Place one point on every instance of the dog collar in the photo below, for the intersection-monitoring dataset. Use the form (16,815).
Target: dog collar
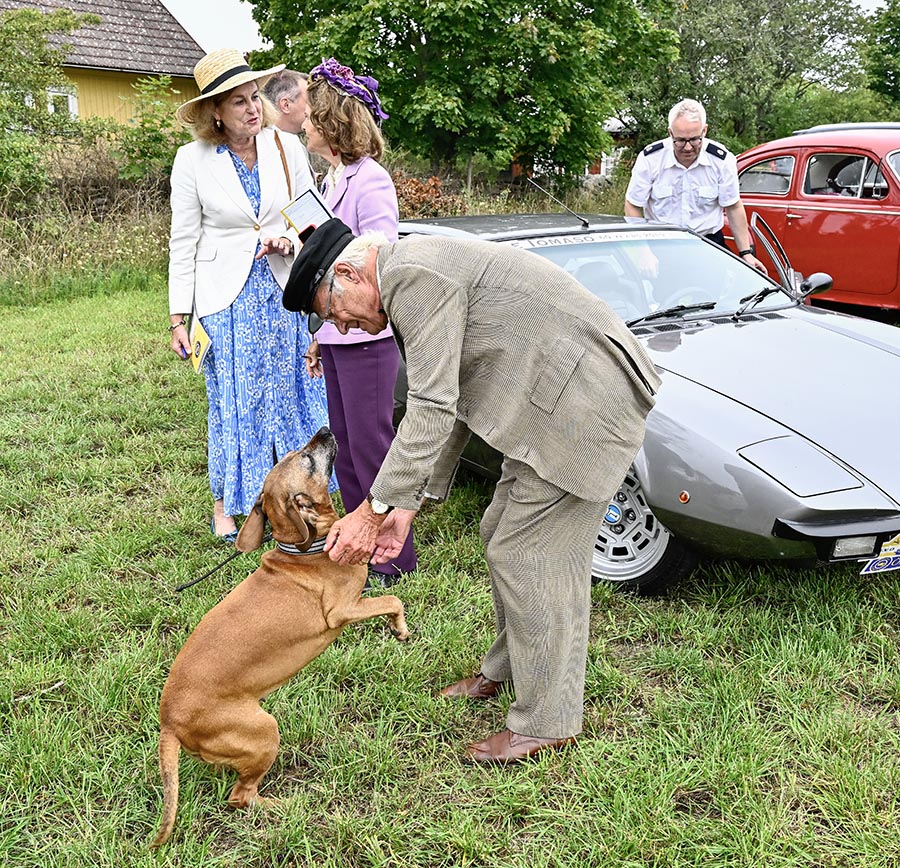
(317,547)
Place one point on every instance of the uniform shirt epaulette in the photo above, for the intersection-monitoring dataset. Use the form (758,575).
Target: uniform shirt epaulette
(716,151)
(652,149)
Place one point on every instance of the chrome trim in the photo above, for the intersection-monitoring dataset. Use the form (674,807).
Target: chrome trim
(878,211)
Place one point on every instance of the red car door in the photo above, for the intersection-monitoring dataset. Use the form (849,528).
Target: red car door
(844,219)
(766,183)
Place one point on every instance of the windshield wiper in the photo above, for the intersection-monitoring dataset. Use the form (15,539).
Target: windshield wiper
(755,298)
(679,309)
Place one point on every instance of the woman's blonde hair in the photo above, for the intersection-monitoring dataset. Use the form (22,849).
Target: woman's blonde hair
(203,128)
(344,122)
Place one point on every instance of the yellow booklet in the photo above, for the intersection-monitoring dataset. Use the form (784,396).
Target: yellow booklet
(200,343)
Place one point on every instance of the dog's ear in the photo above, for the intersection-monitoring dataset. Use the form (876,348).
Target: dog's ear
(251,534)
(304,519)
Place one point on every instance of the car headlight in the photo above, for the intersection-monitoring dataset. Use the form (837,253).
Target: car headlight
(799,466)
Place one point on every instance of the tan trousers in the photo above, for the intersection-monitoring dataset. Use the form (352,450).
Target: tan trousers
(538,541)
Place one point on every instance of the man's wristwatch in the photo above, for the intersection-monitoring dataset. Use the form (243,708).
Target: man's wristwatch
(378,507)
(751,250)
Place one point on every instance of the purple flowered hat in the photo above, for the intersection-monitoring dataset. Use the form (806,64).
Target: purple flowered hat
(361,87)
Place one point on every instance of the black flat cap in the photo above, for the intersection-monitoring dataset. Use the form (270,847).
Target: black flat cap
(320,249)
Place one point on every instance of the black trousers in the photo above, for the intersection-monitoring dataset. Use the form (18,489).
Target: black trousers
(718,237)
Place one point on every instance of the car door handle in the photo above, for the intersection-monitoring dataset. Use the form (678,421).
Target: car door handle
(794,216)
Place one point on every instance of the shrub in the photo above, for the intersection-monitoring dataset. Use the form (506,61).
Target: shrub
(23,173)
(425,198)
(147,145)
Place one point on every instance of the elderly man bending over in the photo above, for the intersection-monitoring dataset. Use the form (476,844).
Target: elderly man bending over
(505,344)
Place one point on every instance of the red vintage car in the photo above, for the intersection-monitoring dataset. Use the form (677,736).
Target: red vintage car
(832,197)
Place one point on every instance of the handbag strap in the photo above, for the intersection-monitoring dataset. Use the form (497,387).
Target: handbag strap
(287,176)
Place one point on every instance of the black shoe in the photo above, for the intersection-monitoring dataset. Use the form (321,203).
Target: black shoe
(386,580)
(380,581)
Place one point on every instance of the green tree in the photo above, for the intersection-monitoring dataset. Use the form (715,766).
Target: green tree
(531,81)
(148,143)
(29,67)
(749,62)
(883,51)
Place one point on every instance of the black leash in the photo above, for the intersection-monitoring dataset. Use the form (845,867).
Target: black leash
(231,557)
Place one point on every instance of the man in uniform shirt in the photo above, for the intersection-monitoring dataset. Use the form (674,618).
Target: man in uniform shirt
(687,180)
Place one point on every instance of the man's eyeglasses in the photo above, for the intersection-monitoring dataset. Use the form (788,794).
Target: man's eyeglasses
(694,142)
(313,321)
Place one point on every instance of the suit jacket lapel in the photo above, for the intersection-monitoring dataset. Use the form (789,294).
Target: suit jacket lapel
(342,185)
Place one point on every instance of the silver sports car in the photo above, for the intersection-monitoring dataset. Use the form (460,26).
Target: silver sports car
(775,432)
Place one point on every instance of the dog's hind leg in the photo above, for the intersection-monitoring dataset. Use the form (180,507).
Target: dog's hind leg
(258,738)
(371,607)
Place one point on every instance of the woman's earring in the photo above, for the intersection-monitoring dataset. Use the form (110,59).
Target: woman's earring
(217,123)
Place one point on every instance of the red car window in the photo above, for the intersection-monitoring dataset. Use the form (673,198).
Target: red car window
(772,175)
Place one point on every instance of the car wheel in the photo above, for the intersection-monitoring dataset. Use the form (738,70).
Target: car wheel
(634,551)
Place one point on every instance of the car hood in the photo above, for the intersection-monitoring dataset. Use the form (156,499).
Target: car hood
(830,378)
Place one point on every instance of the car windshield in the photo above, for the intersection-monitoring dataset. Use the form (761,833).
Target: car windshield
(638,273)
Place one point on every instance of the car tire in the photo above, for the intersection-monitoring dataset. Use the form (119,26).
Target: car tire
(634,551)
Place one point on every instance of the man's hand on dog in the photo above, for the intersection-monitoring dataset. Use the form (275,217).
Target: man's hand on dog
(362,536)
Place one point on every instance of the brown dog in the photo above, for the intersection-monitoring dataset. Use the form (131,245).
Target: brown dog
(266,630)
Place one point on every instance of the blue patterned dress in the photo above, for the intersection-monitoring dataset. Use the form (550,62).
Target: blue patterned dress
(262,403)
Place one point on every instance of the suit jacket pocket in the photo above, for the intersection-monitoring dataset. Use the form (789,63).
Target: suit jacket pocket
(558,369)
(205,253)
(632,363)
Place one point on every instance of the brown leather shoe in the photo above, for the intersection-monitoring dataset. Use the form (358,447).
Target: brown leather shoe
(510,747)
(477,687)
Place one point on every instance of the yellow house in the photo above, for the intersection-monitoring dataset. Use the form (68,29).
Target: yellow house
(134,39)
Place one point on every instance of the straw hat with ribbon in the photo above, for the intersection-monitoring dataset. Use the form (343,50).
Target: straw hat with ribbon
(218,72)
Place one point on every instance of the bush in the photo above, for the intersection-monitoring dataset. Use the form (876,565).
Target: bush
(23,173)
(424,198)
(148,144)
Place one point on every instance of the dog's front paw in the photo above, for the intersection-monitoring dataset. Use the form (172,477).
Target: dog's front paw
(401,634)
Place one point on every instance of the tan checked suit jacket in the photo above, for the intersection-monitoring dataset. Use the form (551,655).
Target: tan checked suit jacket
(503,343)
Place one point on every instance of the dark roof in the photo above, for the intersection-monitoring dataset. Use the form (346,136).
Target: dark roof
(139,36)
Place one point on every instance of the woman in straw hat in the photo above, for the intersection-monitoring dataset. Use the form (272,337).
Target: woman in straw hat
(230,254)
(343,125)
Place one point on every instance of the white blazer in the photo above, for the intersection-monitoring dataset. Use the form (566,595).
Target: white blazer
(214,230)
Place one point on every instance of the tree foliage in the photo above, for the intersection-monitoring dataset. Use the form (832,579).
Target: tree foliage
(531,80)
(30,66)
(883,51)
(752,63)
(148,143)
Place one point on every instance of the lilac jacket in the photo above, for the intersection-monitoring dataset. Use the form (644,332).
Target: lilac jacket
(365,199)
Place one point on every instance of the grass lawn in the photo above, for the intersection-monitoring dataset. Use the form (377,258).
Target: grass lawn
(750,718)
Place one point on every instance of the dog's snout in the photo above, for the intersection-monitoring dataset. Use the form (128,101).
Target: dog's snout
(321,451)
(322,437)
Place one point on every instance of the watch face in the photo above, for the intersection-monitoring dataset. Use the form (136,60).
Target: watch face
(378,507)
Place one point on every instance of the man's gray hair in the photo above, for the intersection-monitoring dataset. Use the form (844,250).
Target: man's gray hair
(356,253)
(689,109)
(284,83)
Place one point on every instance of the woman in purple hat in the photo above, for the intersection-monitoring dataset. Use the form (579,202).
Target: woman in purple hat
(343,120)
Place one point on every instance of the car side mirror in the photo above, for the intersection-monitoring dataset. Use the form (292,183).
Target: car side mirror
(815,284)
